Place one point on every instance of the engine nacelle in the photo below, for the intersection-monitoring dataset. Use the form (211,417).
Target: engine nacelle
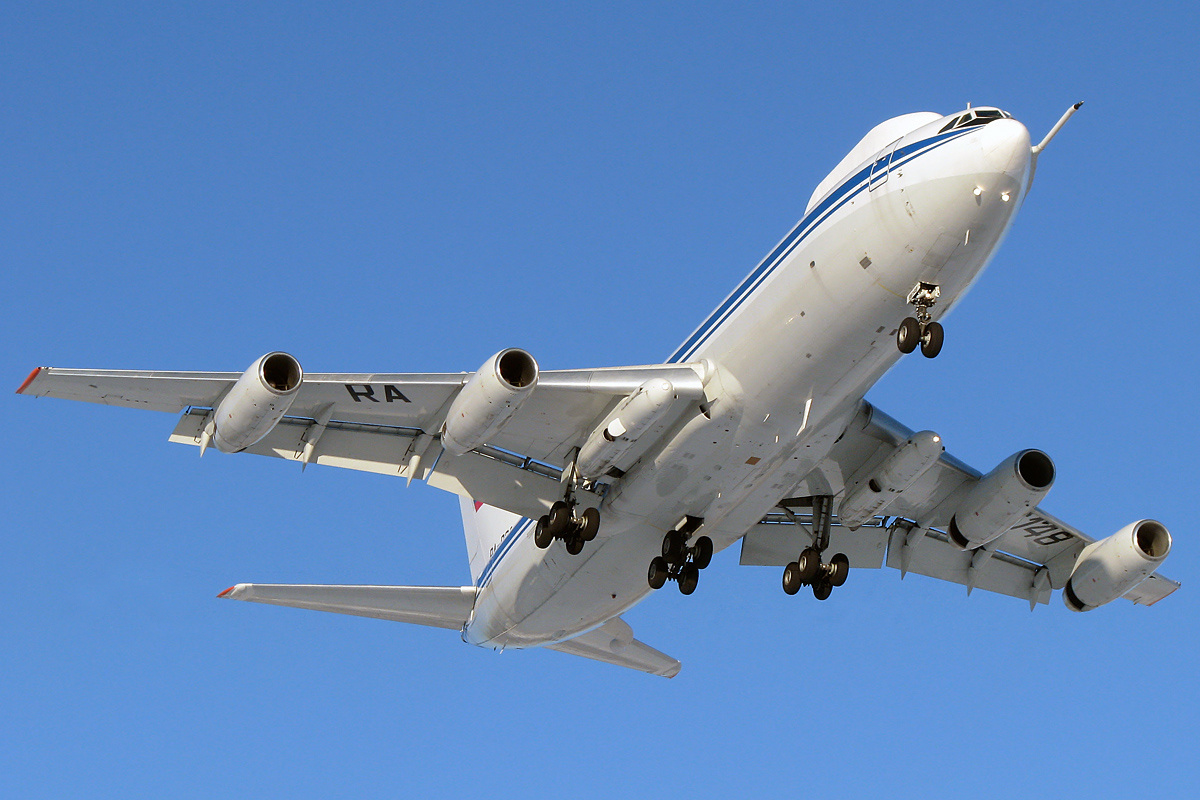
(488,400)
(1000,498)
(631,419)
(1109,568)
(898,472)
(256,402)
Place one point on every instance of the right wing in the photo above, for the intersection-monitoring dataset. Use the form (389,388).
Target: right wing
(390,423)
(1028,561)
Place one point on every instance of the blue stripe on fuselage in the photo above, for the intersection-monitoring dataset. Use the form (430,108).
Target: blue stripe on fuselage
(846,191)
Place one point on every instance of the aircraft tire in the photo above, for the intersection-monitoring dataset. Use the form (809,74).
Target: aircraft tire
(822,589)
(840,569)
(932,340)
(689,576)
(702,552)
(908,335)
(559,518)
(542,536)
(589,524)
(791,578)
(808,565)
(672,545)
(574,545)
(657,576)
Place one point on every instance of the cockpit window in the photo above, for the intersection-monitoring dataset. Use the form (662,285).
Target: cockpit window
(976,116)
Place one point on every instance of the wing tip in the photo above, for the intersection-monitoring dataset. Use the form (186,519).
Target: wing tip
(228,591)
(29,380)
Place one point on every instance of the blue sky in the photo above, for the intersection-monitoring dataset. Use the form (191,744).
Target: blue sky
(383,188)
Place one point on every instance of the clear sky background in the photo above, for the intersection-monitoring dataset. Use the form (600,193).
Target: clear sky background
(384,188)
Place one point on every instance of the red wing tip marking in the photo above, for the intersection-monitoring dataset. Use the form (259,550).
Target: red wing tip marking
(227,592)
(29,380)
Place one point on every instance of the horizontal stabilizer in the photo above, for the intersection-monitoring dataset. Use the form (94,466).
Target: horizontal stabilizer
(613,643)
(436,606)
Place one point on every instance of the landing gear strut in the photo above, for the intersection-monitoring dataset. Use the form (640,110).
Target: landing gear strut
(807,570)
(921,329)
(678,561)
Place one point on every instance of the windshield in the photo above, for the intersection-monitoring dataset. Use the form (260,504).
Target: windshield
(976,116)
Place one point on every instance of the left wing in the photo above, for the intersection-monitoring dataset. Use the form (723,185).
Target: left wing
(1030,559)
(391,423)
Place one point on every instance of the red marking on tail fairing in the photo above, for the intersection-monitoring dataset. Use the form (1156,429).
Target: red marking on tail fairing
(227,591)
(477,505)
(29,380)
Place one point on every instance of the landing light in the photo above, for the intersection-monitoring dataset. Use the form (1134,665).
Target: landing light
(1004,196)
(978,191)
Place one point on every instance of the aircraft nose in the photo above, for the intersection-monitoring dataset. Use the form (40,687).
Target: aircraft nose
(1006,148)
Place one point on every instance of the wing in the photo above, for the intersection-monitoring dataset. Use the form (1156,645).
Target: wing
(390,423)
(1028,561)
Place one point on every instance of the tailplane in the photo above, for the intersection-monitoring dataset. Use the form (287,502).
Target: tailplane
(435,606)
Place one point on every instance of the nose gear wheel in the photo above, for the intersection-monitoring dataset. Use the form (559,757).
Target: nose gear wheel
(921,329)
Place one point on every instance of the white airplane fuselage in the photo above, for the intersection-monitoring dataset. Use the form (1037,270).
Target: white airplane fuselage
(788,357)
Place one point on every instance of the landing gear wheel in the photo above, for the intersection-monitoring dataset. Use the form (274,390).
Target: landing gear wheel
(689,576)
(808,565)
(589,524)
(839,569)
(791,578)
(560,518)
(672,549)
(657,576)
(908,336)
(931,340)
(822,589)
(542,536)
(702,552)
(574,545)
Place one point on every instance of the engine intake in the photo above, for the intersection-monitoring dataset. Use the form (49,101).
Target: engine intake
(1000,498)
(257,401)
(489,399)
(1109,568)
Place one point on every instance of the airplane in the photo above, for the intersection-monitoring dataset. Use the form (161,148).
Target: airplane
(583,491)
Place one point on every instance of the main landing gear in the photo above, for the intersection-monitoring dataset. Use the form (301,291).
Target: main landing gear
(564,523)
(679,562)
(921,330)
(808,570)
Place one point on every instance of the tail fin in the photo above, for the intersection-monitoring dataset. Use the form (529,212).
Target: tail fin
(485,528)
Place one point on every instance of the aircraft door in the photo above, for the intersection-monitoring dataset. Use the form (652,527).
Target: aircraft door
(881,166)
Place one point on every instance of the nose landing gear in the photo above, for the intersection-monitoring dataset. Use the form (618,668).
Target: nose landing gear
(921,329)
(679,562)
(807,570)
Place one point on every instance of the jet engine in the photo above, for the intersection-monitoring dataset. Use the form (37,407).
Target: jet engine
(1109,568)
(489,399)
(1000,498)
(898,472)
(256,402)
(631,419)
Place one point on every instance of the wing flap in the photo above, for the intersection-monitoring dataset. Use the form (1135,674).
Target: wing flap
(991,571)
(434,606)
(613,643)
